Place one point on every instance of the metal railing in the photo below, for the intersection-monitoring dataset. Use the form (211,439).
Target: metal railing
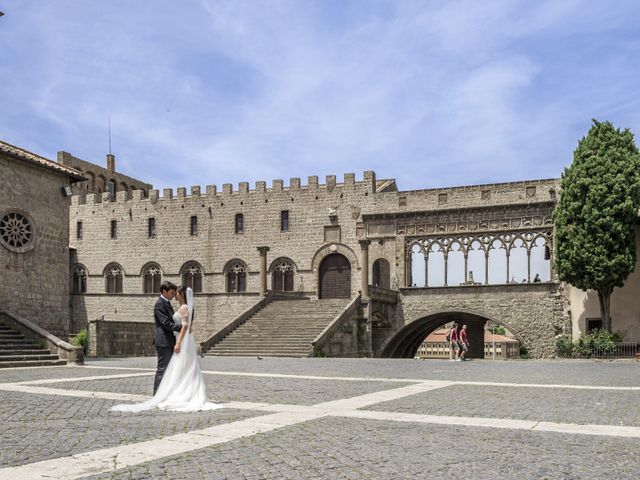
(608,350)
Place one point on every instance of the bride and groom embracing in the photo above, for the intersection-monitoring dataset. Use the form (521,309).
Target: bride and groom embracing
(179,385)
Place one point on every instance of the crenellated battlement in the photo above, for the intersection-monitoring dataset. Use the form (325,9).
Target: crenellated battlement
(368,184)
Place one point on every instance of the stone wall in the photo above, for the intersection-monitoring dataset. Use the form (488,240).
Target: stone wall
(120,339)
(211,312)
(35,284)
(98,177)
(535,313)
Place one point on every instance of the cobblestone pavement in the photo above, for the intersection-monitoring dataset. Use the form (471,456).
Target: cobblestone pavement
(328,418)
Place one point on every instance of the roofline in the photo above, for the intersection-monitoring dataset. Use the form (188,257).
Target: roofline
(39,161)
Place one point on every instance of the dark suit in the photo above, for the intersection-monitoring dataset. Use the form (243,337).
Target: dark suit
(164,339)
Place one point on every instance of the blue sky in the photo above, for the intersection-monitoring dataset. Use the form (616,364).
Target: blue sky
(432,93)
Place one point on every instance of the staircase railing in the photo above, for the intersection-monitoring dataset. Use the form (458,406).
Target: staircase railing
(344,316)
(239,320)
(65,350)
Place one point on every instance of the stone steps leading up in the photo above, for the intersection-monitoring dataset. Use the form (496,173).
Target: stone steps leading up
(18,351)
(283,328)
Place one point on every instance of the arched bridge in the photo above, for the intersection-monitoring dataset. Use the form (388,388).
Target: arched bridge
(533,312)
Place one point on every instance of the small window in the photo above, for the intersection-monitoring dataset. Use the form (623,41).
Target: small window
(111,186)
(79,280)
(113,278)
(594,324)
(114,229)
(284,220)
(79,230)
(239,223)
(194,225)
(152,228)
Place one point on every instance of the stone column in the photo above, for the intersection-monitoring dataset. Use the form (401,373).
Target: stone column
(364,267)
(263,270)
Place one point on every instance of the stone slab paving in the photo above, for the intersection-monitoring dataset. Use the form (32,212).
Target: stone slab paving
(305,443)
(550,405)
(234,388)
(569,372)
(337,448)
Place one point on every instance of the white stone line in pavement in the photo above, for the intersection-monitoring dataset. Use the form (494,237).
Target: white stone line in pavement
(16,387)
(82,379)
(110,459)
(381,379)
(508,423)
(546,385)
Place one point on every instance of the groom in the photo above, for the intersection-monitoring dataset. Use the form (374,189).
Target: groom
(165,326)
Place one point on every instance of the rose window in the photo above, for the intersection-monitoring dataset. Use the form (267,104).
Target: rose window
(16,232)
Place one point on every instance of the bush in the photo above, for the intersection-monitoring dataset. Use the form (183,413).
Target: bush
(564,346)
(80,340)
(600,341)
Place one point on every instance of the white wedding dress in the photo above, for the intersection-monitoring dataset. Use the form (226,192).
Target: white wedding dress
(182,388)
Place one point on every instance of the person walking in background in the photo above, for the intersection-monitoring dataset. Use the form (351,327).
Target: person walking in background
(454,348)
(464,343)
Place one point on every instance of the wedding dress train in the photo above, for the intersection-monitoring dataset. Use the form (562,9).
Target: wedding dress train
(182,388)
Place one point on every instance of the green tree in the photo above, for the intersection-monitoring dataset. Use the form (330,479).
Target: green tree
(596,216)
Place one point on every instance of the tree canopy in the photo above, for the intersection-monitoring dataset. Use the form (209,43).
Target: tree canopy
(597,213)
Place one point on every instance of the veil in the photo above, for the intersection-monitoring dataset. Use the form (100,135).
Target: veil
(190,305)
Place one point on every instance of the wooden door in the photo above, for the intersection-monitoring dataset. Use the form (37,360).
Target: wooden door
(335,277)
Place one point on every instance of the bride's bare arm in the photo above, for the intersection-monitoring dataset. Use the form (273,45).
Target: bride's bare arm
(184,315)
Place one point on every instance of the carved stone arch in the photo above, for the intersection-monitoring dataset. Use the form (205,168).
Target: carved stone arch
(453,242)
(91,181)
(235,276)
(497,239)
(329,249)
(79,275)
(151,274)
(282,259)
(113,278)
(101,184)
(479,240)
(191,275)
(282,271)
(518,236)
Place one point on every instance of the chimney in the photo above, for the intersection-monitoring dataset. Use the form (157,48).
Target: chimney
(111,162)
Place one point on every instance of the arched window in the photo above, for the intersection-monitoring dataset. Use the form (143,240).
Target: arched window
(282,272)
(236,274)
(113,275)
(381,273)
(151,278)
(100,184)
(192,276)
(79,280)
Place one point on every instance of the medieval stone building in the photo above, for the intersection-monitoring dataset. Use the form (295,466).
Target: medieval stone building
(366,269)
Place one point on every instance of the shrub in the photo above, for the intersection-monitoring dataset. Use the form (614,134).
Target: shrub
(564,346)
(80,340)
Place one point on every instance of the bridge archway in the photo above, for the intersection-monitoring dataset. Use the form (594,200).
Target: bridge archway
(405,343)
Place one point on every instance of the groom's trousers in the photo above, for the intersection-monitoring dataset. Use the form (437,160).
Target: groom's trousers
(164,355)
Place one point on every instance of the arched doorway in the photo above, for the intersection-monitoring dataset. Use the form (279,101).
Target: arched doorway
(335,277)
(405,342)
(381,273)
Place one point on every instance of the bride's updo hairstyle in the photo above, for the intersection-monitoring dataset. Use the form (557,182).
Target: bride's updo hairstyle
(183,292)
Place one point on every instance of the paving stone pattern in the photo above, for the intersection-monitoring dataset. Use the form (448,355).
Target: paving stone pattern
(337,448)
(38,427)
(234,388)
(548,405)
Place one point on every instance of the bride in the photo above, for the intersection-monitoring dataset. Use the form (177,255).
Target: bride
(182,388)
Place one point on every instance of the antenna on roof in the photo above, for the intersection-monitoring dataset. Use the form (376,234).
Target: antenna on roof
(109,135)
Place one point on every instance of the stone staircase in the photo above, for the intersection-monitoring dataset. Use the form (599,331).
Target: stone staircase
(18,351)
(284,328)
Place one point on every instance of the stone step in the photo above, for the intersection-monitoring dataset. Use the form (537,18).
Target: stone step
(32,363)
(14,346)
(14,340)
(24,351)
(16,358)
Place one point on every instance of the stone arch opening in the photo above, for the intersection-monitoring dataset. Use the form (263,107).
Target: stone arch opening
(405,343)
(335,277)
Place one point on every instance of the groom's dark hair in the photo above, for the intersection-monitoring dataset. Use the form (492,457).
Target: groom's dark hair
(166,286)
